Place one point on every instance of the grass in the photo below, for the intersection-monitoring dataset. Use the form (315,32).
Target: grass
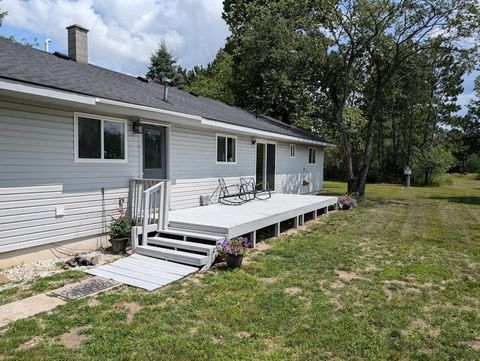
(398,277)
(39,285)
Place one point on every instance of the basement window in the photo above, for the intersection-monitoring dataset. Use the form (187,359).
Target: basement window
(312,155)
(226,149)
(100,139)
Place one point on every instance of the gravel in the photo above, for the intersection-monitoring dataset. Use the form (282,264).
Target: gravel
(24,273)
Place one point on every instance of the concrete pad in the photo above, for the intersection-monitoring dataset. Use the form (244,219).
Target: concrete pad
(27,307)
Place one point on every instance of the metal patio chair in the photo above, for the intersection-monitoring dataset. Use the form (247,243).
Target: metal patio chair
(231,198)
(250,189)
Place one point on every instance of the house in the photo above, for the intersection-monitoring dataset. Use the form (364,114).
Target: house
(73,136)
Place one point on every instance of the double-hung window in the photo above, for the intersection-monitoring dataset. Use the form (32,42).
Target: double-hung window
(226,149)
(100,139)
(312,155)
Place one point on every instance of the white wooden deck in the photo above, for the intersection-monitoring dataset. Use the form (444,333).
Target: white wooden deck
(233,221)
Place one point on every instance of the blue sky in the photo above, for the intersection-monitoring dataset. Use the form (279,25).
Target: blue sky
(123,36)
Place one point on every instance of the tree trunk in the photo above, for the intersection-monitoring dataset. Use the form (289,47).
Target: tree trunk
(362,180)
(347,150)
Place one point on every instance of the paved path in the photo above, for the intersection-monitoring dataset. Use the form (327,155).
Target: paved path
(28,307)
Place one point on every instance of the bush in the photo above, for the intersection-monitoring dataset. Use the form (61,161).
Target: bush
(430,162)
(472,164)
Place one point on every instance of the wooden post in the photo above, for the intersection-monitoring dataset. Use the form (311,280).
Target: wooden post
(300,220)
(277,229)
(295,222)
(253,238)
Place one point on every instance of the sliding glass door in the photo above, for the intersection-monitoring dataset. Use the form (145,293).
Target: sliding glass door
(265,166)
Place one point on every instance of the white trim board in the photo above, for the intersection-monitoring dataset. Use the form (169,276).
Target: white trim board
(35,90)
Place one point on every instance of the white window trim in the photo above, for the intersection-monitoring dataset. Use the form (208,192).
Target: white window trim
(294,150)
(308,155)
(102,119)
(226,148)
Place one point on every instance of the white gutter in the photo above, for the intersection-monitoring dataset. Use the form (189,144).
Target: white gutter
(30,89)
(258,132)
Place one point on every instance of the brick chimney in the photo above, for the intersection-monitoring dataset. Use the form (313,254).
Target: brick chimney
(77,43)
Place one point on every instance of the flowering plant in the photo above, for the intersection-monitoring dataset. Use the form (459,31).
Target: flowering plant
(347,202)
(119,227)
(237,246)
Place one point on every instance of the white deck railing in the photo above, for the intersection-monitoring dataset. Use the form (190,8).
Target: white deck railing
(155,203)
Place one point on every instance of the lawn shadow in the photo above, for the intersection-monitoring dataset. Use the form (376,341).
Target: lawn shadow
(464,200)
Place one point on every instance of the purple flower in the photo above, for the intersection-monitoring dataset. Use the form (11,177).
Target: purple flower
(234,247)
(347,202)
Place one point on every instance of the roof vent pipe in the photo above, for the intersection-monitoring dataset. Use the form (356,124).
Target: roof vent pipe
(47,42)
(166,83)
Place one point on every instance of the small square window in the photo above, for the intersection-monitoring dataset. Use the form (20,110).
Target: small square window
(312,155)
(226,149)
(292,150)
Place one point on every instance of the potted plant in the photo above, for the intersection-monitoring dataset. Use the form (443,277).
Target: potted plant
(233,250)
(119,232)
(347,202)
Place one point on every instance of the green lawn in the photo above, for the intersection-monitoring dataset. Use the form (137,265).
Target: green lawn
(398,277)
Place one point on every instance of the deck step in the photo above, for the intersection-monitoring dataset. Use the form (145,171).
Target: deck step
(182,245)
(192,234)
(174,256)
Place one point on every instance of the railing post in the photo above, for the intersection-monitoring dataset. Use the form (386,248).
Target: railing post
(166,204)
(146,217)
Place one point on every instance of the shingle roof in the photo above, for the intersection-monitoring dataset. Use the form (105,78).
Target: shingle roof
(26,64)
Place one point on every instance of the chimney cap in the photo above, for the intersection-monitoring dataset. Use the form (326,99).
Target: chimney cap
(78,27)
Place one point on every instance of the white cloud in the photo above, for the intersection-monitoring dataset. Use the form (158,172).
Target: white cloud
(123,33)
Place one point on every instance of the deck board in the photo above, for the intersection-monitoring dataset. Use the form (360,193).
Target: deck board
(248,217)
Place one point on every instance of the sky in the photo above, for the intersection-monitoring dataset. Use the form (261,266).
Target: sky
(123,33)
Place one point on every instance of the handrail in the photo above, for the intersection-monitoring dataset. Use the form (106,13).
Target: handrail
(156,204)
(135,197)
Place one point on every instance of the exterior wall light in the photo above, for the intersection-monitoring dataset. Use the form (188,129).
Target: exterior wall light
(137,127)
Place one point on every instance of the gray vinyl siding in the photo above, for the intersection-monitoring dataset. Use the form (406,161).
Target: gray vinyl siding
(291,172)
(194,171)
(38,173)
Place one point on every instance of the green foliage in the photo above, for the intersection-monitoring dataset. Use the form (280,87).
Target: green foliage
(119,227)
(430,162)
(472,164)
(164,67)
(398,64)
(215,81)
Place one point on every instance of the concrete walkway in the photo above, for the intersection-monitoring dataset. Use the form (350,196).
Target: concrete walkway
(28,307)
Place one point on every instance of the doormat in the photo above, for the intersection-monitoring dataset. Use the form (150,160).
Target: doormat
(85,288)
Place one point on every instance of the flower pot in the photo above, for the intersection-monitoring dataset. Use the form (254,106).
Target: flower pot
(234,261)
(119,245)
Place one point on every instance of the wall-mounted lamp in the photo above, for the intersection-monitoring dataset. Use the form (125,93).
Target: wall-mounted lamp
(254,141)
(137,126)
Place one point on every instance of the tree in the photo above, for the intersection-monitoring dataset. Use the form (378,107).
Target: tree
(213,81)
(351,52)
(430,162)
(164,67)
